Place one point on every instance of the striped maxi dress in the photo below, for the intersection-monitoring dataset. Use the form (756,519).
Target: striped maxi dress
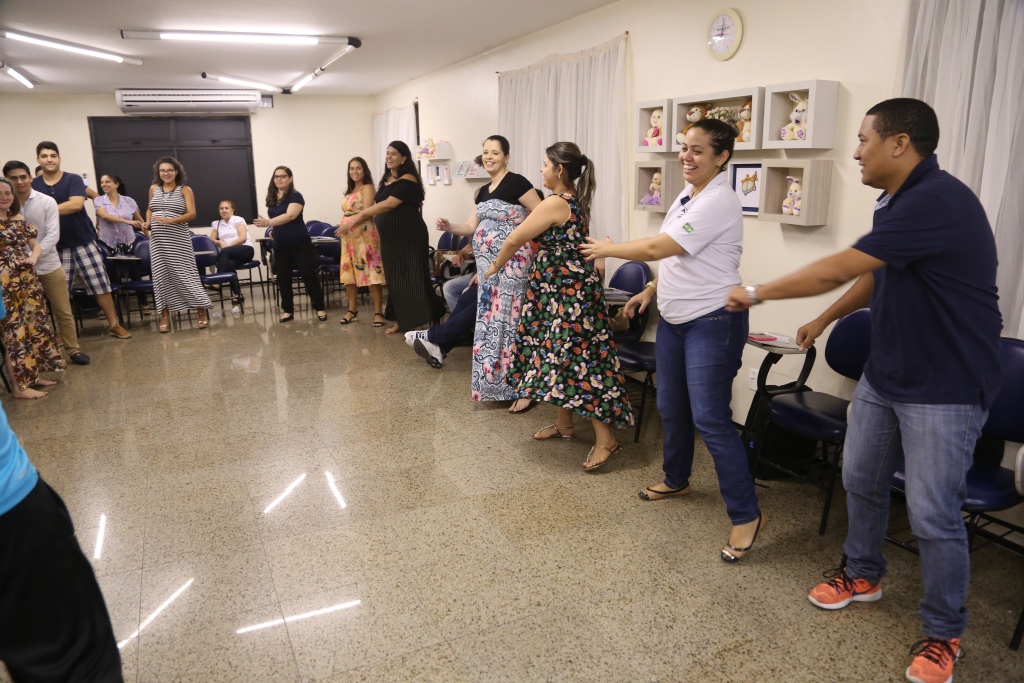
(176,284)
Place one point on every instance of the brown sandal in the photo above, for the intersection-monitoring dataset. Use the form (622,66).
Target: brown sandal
(611,451)
(564,432)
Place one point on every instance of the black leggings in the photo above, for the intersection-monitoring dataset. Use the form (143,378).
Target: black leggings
(303,258)
(232,257)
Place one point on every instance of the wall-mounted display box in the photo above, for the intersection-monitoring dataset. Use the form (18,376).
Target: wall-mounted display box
(815,179)
(648,173)
(647,118)
(815,129)
(442,152)
(743,107)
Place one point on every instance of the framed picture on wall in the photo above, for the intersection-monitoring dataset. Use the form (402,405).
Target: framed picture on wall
(463,169)
(746,179)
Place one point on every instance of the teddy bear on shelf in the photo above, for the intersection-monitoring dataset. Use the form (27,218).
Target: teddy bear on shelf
(791,204)
(654,137)
(743,122)
(695,114)
(653,197)
(796,129)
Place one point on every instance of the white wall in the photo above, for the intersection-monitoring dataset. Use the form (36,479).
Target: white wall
(313,135)
(783,41)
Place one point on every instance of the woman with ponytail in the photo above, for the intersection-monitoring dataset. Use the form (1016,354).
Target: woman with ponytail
(700,344)
(564,353)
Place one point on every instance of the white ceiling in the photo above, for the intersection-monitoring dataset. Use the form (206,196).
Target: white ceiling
(402,40)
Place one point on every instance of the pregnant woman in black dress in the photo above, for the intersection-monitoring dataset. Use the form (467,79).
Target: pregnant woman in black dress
(403,242)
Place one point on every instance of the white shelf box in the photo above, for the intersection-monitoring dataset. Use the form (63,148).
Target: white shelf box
(822,106)
(816,183)
(643,124)
(733,99)
(443,152)
(672,183)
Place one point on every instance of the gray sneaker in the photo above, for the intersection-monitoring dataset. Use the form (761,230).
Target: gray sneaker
(429,352)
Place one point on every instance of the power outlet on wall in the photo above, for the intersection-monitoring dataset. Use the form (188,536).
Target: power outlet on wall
(752,379)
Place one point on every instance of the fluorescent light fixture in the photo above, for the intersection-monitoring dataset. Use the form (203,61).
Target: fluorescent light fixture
(285,494)
(154,615)
(323,67)
(335,491)
(298,617)
(242,81)
(99,538)
(237,37)
(15,75)
(68,47)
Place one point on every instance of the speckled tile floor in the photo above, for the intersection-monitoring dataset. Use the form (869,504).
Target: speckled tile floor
(454,548)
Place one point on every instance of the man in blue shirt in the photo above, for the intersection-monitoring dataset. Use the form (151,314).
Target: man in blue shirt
(79,252)
(927,269)
(54,624)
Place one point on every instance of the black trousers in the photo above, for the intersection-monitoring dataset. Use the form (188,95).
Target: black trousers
(54,626)
(303,258)
(230,258)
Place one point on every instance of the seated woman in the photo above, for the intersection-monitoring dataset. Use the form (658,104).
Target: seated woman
(235,244)
(26,333)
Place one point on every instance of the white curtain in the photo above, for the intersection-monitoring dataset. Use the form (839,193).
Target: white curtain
(577,98)
(394,124)
(966,59)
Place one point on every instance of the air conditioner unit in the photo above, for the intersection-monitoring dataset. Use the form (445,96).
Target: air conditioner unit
(165,101)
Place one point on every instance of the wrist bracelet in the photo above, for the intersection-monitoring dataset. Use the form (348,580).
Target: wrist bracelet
(752,294)
(652,285)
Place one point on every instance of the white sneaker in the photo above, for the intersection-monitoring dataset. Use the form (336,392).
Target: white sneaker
(411,337)
(429,352)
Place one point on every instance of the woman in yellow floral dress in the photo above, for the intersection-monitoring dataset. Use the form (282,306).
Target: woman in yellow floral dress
(361,265)
(26,333)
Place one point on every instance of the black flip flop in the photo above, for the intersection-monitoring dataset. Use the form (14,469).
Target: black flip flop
(662,494)
(729,557)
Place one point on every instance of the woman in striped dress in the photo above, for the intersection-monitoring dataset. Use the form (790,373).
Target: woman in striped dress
(176,284)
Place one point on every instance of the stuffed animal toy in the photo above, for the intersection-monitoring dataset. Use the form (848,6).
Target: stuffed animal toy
(797,128)
(654,137)
(695,114)
(653,198)
(791,204)
(743,122)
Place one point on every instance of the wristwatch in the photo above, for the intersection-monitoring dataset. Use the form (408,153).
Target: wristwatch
(752,294)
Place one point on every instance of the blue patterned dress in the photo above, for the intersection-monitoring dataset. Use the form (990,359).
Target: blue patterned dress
(564,351)
(500,298)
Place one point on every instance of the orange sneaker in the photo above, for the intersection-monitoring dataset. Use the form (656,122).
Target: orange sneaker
(841,590)
(934,660)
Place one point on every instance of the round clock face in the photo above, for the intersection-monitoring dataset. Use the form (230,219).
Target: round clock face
(724,34)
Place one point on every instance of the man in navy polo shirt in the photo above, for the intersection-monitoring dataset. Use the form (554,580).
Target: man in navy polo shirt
(79,252)
(928,271)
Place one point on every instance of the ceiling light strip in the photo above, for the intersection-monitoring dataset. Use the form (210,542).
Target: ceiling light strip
(237,37)
(355,42)
(68,47)
(242,82)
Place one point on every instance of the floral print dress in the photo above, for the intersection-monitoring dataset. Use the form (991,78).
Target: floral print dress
(500,298)
(26,330)
(564,351)
(361,264)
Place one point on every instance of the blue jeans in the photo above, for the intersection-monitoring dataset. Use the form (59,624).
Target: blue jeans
(937,444)
(453,289)
(697,362)
(459,325)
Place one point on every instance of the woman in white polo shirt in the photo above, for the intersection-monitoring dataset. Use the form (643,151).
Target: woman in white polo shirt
(235,244)
(700,344)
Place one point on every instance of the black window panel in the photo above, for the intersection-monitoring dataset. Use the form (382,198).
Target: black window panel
(213,178)
(216,152)
(212,131)
(135,168)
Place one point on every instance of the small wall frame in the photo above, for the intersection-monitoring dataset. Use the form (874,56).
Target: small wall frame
(816,180)
(822,105)
(644,110)
(731,99)
(671,184)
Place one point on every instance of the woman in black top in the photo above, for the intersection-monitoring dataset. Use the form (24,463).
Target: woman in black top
(293,250)
(403,242)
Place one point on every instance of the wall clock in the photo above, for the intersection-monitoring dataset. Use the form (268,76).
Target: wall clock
(725,33)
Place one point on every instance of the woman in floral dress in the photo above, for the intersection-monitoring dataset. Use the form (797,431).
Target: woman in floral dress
(564,350)
(501,206)
(361,265)
(26,333)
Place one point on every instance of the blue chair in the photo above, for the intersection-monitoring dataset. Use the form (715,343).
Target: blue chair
(141,286)
(990,486)
(632,277)
(204,261)
(330,265)
(820,416)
